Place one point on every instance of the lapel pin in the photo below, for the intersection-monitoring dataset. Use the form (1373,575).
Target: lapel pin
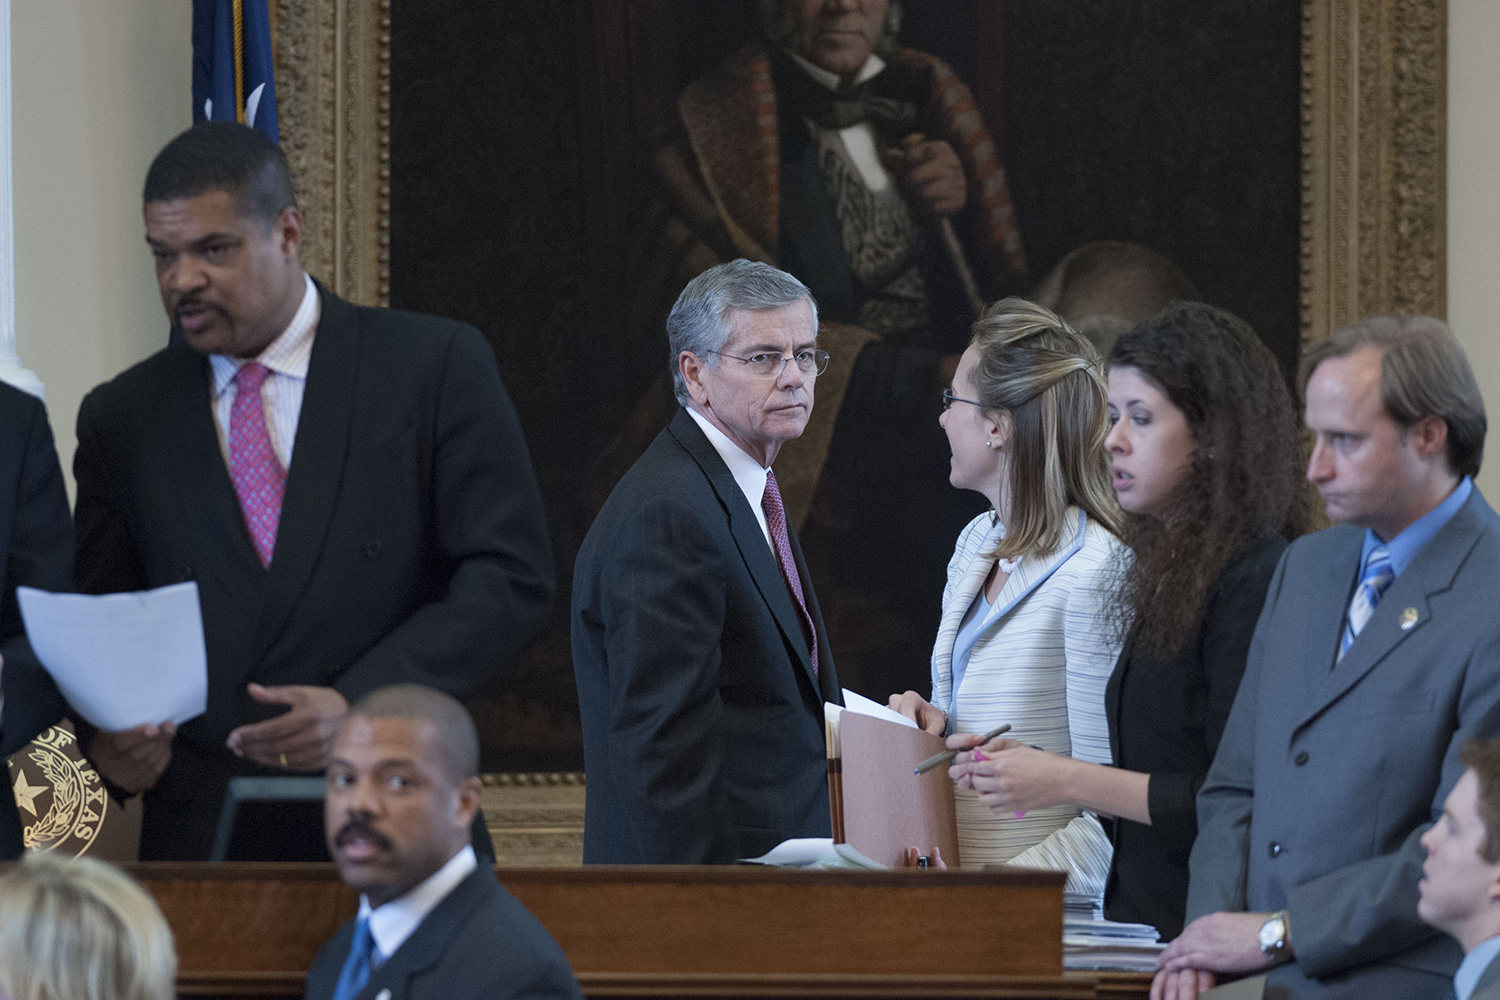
(1408,619)
(383,995)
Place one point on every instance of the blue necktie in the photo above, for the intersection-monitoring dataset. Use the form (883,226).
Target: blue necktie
(357,966)
(1377,576)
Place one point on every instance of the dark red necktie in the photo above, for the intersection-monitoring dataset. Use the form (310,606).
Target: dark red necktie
(776,521)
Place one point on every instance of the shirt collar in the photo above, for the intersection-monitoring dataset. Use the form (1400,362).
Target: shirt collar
(1473,966)
(1404,547)
(289,354)
(747,472)
(392,923)
(872,67)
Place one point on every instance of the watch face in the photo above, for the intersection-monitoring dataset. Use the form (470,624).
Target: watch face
(1270,933)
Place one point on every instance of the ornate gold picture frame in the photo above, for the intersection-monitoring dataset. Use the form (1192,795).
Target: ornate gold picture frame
(1374,89)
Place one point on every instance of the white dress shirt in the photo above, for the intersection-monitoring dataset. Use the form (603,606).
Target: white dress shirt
(394,922)
(747,472)
(859,140)
(287,356)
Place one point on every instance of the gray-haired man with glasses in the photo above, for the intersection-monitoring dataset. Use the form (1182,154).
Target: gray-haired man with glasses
(700,652)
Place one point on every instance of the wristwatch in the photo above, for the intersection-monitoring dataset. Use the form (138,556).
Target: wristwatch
(1273,938)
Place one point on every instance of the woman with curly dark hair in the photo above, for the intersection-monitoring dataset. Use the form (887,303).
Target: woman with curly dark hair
(1207,459)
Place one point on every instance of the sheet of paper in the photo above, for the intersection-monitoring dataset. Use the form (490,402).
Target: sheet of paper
(813,852)
(122,660)
(856,702)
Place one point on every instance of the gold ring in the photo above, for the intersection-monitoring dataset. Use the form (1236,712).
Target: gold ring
(283,760)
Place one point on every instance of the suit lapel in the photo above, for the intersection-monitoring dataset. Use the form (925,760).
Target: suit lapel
(198,465)
(1032,572)
(1431,572)
(318,457)
(747,536)
(434,935)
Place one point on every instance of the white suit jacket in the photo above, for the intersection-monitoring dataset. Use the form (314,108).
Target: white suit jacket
(1041,664)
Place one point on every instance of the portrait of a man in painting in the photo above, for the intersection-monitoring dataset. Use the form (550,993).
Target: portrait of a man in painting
(557,173)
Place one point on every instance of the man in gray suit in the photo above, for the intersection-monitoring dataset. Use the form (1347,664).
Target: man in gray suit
(1461,879)
(1376,657)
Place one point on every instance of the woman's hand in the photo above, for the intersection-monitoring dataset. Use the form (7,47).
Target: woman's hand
(911,854)
(1013,778)
(919,710)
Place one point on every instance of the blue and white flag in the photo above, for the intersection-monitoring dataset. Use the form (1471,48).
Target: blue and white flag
(232,66)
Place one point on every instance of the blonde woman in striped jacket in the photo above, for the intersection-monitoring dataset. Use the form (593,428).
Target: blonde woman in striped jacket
(1026,635)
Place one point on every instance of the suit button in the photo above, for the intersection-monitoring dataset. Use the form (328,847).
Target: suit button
(1275,849)
(1301,758)
(373,547)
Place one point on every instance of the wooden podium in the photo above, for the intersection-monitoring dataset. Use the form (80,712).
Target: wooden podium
(252,930)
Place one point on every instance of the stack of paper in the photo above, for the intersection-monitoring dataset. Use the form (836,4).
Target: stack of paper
(1104,944)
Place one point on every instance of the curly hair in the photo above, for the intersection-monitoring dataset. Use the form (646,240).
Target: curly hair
(1046,376)
(1244,480)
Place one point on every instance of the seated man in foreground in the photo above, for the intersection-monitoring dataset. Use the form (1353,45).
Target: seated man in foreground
(403,790)
(1461,880)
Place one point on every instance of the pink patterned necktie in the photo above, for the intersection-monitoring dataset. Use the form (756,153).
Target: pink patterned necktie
(259,479)
(776,521)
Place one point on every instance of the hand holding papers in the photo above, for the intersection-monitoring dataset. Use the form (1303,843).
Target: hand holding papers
(122,660)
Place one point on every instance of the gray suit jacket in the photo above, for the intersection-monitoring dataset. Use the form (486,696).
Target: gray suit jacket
(1328,774)
(1488,987)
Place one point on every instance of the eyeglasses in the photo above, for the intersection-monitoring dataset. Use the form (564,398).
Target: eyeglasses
(949,399)
(769,365)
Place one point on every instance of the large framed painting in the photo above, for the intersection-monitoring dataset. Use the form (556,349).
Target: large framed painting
(551,172)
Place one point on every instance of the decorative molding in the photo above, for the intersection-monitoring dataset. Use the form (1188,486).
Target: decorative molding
(333,73)
(535,820)
(1374,145)
(11,369)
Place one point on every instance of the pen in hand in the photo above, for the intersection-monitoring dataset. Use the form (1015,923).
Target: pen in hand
(946,757)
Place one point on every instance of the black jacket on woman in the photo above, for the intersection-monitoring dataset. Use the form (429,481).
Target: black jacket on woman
(1165,719)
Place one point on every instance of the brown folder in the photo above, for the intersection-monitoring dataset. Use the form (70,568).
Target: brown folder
(880,806)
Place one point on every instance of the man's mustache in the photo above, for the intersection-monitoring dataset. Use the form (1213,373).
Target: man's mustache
(192,302)
(359,828)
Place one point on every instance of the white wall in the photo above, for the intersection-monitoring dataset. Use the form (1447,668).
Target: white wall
(98,86)
(1474,205)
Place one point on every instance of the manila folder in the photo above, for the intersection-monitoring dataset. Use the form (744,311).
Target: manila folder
(887,806)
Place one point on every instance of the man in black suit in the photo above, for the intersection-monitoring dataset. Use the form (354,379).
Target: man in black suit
(1460,888)
(403,789)
(701,656)
(348,487)
(38,534)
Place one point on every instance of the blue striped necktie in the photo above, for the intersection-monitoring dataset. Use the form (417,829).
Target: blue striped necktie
(1377,576)
(357,966)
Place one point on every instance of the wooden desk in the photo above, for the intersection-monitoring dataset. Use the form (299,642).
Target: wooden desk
(252,930)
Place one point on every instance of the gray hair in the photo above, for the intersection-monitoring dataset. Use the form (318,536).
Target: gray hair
(699,321)
(779,23)
(1424,372)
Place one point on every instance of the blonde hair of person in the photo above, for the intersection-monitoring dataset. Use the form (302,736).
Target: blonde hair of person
(1047,378)
(79,929)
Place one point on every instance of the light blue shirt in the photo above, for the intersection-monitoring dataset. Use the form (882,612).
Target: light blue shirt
(968,634)
(1473,966)
(1404,547)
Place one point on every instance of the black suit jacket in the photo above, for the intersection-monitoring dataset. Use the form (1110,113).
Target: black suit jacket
(478,942)
(38,534)
(702,720)
(1165,719)
(411,547)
